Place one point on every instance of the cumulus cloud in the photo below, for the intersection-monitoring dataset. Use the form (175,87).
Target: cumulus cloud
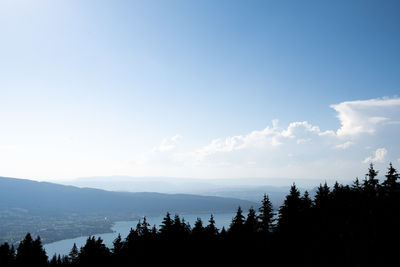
(295,148)
(270,137)
(365,116)
(379,156)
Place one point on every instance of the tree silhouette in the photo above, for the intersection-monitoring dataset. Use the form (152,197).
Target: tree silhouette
(166,226)
(211,230)
(198,229)
(117,245)
(251,223)
(7,255)
(266,214)
(290,210)
(94,253)
(237,225)
(31,253)
(73,254)
(390,184)
(142,228)
(370,182)
(322,196)
(356,186)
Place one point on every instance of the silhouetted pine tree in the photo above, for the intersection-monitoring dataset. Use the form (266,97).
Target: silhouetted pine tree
(131,239)
(117,245)
(322,196)
(166,227)
(289,212)
(142,229)
(211,230)
(390,184)
(7,255)
(53,262)
(74,254)
(371,183)
(266,215)
(356,187)
(31,253)
(198,229)
(251,223)
(223,233)
(237,224)
(94,253)
(306,201)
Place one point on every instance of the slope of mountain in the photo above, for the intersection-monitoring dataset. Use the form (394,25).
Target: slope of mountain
(57,211)
(251,189)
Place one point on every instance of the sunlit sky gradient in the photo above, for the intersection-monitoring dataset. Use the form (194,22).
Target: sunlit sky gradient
(202,89)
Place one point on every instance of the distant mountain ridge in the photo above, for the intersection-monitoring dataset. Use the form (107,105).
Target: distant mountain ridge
(251,189)
(27,205)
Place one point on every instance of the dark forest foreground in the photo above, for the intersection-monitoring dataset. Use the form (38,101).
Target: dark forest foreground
(346,225)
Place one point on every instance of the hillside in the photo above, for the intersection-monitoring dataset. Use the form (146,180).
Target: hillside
(57,211)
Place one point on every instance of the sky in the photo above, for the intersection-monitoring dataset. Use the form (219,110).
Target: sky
(200,89)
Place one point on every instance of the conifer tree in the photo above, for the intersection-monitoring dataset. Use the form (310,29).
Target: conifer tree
(154,231)
(223,232)
(53,262)
(290,210)
(251,223)
(211,229)
(306,202)
(266,215)
(322,196)
(198,229)
(166,226)
(31,253)
(390,184)
(177,225)
(371,183)
(131,238)
(73,254)
(7,255)
(356,186)
(117,245)
(142,228)
(237,224)
(185,227)
(94,253)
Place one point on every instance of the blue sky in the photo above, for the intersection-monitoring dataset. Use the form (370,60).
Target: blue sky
(202,89)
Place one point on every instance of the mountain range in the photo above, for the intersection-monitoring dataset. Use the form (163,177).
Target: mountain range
(56,211)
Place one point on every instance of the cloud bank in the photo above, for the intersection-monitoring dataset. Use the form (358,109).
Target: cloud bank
(364,116)
(300,148)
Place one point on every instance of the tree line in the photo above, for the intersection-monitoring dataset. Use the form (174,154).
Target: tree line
(346,225)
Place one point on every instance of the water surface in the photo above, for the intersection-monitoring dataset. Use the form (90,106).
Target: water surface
(63,247)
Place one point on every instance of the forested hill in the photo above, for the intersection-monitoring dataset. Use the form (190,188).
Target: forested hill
(57,211)
(54,198)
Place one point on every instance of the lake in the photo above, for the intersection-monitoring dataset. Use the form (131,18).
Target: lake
(63,247)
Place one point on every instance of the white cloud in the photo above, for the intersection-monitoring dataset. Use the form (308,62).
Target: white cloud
(292,150)
(270,137)
(344,145)
(365,116)
(159,153)
(168,144)
(380,155)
